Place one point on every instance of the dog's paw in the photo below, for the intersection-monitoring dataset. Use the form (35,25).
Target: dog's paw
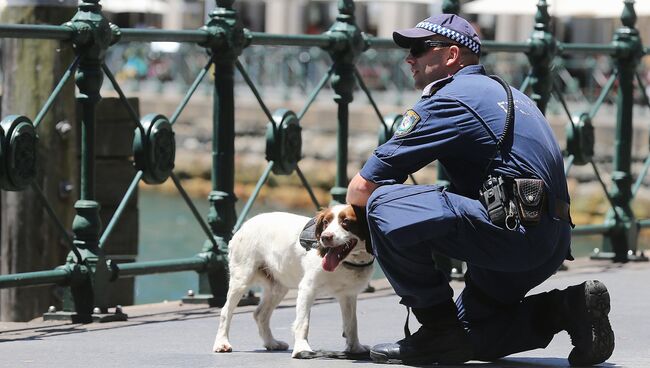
(222,347)
(276,345)
(357,349)
(299,347)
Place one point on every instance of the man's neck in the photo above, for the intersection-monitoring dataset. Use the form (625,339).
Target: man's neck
(427,90)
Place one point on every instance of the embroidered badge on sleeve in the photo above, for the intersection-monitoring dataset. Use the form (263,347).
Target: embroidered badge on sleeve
(410,119)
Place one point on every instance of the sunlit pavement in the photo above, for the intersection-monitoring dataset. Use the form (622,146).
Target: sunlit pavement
(174,335)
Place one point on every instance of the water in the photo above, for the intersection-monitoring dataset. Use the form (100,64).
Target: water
(168,230)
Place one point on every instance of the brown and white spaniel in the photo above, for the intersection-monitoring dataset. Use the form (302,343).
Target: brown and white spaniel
(267,251)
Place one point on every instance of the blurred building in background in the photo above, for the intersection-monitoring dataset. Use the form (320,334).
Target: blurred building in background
(502,20)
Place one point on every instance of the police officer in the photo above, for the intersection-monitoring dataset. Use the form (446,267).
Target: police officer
(460,121)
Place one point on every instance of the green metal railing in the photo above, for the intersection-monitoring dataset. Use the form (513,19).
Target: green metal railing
(224,38)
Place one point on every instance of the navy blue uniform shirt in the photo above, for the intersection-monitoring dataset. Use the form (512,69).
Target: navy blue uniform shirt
(457,122)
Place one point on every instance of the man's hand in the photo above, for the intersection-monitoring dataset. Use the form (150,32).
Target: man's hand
(359,190)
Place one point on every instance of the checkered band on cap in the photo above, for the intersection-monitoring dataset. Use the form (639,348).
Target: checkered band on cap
(462,39)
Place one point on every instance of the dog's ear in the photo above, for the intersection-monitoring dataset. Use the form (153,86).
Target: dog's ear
(320,223)
(362,223)
(318,230)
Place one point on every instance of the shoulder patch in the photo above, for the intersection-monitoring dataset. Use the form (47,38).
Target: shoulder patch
(410,119)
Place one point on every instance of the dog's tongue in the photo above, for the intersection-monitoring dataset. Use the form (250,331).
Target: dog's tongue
(331,259)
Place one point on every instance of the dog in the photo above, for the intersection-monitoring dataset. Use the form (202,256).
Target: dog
(267,251)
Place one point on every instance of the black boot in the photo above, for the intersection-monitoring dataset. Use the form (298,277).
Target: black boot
(581,310)
(441,339)
(586,308)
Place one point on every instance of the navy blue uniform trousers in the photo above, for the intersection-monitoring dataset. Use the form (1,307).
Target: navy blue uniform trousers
(408,222)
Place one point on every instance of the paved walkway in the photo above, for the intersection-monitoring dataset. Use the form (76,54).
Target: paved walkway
(174,335)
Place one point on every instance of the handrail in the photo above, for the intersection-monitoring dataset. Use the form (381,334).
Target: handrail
(44,32)
(258,38)
(57,276)
(64,33)
(153,35)
(154,267)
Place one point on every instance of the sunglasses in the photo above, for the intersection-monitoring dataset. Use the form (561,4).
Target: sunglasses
(420,48)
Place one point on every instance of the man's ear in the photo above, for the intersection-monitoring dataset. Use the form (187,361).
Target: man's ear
(453,55)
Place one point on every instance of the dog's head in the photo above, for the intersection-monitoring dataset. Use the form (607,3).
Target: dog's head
(340,234)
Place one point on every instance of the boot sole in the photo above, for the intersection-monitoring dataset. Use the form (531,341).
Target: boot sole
(450,358)
(598,307)
(383,358)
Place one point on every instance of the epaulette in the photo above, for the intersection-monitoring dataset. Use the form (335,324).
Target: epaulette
(436,86)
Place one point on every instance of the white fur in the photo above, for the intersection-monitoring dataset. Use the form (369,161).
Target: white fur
(270,241)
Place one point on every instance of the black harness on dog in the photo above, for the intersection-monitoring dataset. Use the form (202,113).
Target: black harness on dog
(308,241)
(308,235)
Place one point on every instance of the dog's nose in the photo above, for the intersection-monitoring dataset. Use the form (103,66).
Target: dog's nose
(327,237)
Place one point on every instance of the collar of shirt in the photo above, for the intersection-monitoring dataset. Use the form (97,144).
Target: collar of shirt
(434,86)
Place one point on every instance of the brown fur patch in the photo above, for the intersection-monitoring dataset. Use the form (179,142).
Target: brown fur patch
(323,218)
(349,221)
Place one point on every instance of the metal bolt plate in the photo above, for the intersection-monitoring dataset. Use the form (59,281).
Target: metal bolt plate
(580,139)
(155,151)
(284,142)
(17,152)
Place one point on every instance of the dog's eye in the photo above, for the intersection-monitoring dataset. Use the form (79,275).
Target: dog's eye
(346,223)
(325,223)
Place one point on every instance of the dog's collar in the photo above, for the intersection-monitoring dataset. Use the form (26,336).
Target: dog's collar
(358,265)
(308,241)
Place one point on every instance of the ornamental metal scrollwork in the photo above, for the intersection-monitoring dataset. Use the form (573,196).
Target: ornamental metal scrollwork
(155,151)
(17,152)
(386,130)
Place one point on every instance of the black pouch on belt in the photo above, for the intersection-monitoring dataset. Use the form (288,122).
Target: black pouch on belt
(495,199)
(529,195)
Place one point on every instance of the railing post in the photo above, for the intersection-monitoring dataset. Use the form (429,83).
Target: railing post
(543,48)
(226,44)
(348,44)
(622,238)
(92,36)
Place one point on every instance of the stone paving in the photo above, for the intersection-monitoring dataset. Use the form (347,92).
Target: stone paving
(175,335)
